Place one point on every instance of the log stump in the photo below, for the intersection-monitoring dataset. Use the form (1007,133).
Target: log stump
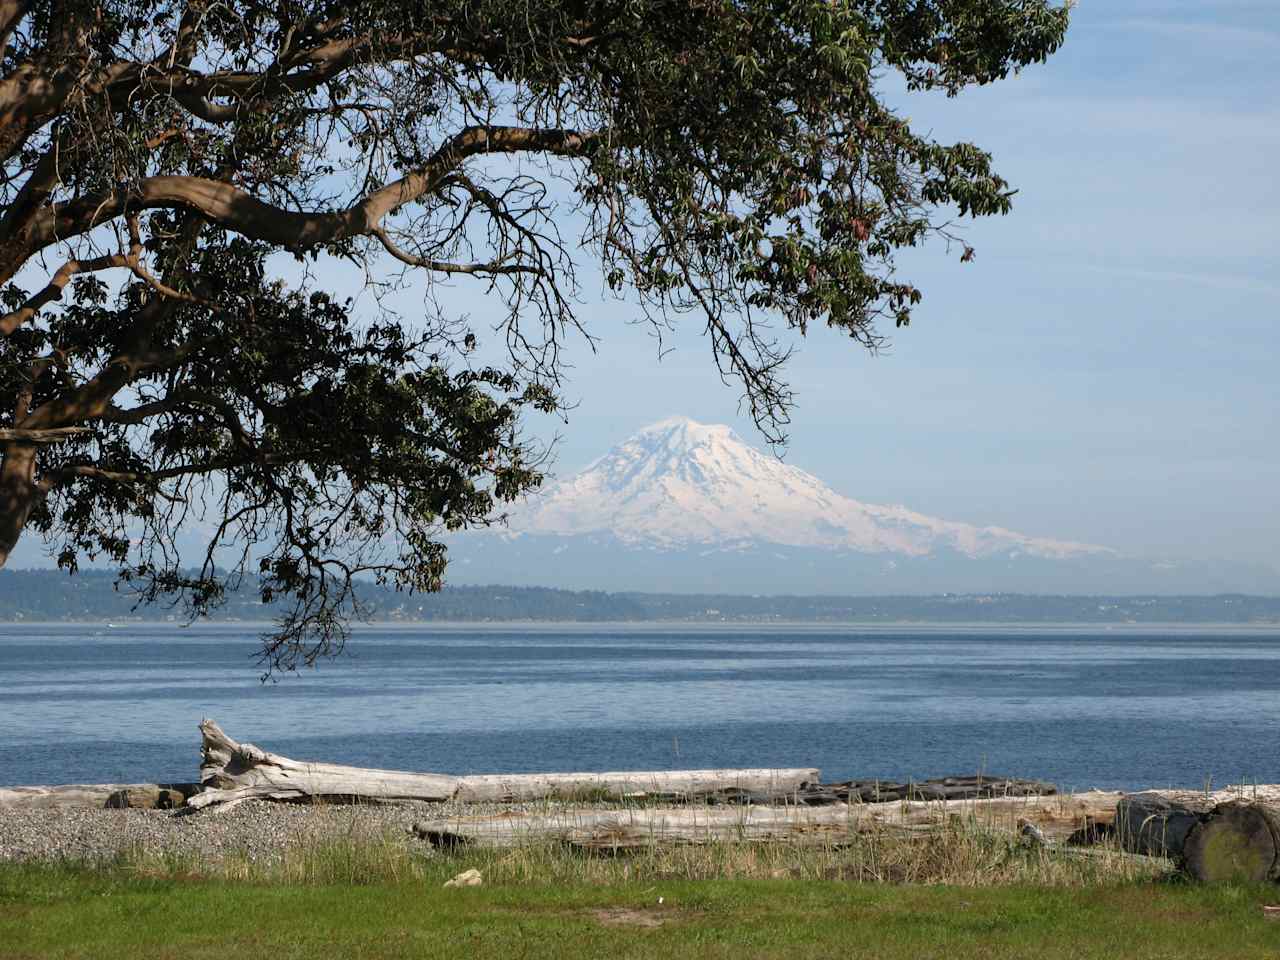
(1237,841)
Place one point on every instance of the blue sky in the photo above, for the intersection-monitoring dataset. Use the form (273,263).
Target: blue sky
(1106,368)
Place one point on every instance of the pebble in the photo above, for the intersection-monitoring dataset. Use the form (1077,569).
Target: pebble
(257,830)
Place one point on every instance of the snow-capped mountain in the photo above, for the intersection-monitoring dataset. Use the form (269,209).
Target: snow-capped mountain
(679,483)
(688,508)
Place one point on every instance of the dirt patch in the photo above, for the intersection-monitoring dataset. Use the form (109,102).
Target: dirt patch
(627,917)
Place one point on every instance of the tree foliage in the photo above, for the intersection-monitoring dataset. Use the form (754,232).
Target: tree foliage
(180,174)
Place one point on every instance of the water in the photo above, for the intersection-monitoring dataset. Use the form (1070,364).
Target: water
(1120,708)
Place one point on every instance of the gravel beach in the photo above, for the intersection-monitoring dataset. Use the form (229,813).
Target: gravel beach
(257,830)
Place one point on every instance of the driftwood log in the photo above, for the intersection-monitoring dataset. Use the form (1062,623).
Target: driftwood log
(834,824)
(1213,838)
(147,796)
(672,785)
(973,787)
(231,772)
(1239,840)
(1157,822)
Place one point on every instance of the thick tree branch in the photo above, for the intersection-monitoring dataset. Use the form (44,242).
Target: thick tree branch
(68,472)
(237,210)
(92,399)
(11,13)
(40,436)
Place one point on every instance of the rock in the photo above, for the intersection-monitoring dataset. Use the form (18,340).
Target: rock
(468,878)
(1032,834)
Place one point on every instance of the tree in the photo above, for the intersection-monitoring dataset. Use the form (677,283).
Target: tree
(178,174)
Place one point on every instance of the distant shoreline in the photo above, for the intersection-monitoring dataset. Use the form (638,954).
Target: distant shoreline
(29,596)
(639,625)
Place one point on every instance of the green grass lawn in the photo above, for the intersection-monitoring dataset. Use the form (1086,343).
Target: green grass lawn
(76,913)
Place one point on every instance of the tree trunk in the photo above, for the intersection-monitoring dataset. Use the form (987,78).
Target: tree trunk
(233,771)
(1237,841)
(18,494)
(617,829)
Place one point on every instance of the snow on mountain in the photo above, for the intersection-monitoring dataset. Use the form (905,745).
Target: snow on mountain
(678,484)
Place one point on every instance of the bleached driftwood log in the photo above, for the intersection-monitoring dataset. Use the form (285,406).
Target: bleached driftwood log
(231,772)
(617,829)
(80,795)
(622,785)
(1214,836)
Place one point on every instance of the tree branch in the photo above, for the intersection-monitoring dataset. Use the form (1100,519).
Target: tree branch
(442,266)
(131,260)
(11,13)
(72,471)
(93,398)
(51,435)
(53,289)
(237,210)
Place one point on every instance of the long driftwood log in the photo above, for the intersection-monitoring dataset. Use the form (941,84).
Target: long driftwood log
(232,772)
(1056,816)
(147,796)
(676,785)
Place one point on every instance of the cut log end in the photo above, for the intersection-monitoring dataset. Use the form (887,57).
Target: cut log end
(1236,842)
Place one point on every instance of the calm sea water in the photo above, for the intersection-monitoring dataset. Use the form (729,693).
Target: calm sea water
(1120,708)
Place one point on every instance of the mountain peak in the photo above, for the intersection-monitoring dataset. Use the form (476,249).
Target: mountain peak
(685,433)
(680,483)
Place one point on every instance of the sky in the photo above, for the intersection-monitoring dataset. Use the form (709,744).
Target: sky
(1105,370)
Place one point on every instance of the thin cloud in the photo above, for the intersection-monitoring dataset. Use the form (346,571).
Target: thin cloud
(1218,34)
(1219,281)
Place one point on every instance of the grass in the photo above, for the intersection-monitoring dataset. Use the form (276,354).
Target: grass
(960,892)
(956,851)
(68,912)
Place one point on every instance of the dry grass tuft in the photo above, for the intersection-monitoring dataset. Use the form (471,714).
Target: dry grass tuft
(959,851)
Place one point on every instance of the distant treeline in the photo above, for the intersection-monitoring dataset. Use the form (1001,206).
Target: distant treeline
(93,595)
